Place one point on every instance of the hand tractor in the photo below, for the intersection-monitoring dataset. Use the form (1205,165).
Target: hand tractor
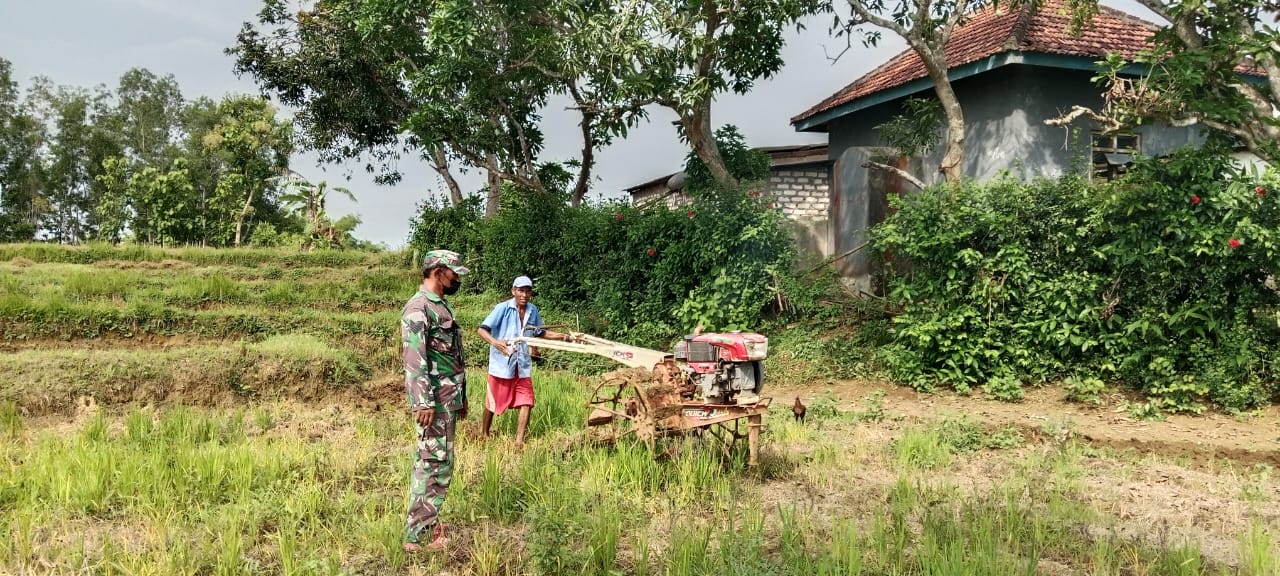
(708,382)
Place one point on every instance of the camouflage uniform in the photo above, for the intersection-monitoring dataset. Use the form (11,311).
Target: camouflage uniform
(433,378)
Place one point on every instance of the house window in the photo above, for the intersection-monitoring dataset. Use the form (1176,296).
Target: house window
(1112,154)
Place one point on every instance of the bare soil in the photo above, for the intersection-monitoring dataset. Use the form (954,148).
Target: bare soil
(1252,438)
(1204,480)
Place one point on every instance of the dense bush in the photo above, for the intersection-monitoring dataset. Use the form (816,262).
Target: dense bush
(1159,281)
(646,274)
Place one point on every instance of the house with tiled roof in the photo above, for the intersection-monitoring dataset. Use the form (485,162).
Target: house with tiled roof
(1011,70)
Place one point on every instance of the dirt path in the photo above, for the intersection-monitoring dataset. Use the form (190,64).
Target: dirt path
(1251,439)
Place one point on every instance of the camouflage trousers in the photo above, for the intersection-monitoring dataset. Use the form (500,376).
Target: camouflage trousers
(432,470)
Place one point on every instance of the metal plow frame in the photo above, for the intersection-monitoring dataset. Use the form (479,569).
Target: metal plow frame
(662,408)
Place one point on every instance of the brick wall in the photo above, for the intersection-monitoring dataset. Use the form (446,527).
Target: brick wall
(801,192)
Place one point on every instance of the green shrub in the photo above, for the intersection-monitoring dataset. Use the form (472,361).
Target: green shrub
(643,274)
(1157,280)
(1007,388)
(1084,390)
(438,225)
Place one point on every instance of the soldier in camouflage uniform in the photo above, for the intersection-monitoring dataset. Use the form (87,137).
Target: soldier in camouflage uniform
(435,384)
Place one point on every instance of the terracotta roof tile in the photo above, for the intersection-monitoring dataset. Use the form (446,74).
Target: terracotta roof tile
(990,31)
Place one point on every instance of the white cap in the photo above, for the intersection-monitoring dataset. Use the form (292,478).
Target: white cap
(521,282)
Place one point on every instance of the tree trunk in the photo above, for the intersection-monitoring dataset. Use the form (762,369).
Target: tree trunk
(440,164)
(204,221)
(952,166)
(588,160)
(697,128)
(313,216)
(495,195)
(244,213)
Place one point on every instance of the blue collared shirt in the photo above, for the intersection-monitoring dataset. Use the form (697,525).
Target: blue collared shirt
(504,323)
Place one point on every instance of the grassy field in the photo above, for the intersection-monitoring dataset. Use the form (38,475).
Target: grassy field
(227,412)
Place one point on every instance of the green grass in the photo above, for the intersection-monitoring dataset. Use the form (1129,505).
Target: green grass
(1260,550)
(90,253)
(50,380)
(194,491)
(76,305)
(10,419)
(235,463)
(315,288)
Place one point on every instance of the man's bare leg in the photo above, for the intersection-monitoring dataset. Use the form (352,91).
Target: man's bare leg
(522,424)
(486,420)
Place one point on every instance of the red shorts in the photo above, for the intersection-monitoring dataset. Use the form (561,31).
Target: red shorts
(504,393)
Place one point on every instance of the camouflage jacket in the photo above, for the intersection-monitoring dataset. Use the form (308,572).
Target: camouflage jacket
(433,363)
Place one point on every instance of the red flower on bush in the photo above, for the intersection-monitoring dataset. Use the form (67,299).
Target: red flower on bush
(771,206)
(1195,199)
(1233,243)
(691,213)
(617,216)
(652,251)
(1261,191)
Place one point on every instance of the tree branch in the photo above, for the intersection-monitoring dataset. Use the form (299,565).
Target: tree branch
(491,164)
(1109,124)
(919,26)
(440,163)
(1184,25)
(866,16)
(1158,7)
(896,171)
(707,58)
(526,154)
(588,149)
(1261,104)
(961,7)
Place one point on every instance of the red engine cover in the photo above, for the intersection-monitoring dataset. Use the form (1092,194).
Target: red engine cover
(736,347)
(732,346)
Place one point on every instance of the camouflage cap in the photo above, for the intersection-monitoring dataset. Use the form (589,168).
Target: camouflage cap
(448,258)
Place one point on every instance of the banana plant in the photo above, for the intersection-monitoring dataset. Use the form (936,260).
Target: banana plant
(307,199)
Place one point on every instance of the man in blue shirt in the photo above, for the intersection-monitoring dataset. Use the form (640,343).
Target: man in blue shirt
(511,367)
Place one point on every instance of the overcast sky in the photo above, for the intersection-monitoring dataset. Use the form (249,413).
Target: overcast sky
(90,42)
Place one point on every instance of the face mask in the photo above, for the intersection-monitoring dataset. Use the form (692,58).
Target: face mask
(453,286)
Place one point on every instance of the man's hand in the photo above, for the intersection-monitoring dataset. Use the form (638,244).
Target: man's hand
(462,413)
(549,335)
(425,416)
(502,347)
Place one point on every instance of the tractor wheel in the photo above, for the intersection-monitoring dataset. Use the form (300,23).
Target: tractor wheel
(630,403)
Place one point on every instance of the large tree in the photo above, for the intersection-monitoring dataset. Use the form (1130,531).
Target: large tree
(436,80)
(461,80)
(73,143)
(926,25)
(147,116)
(251,146)
(20,175)
(682,54)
